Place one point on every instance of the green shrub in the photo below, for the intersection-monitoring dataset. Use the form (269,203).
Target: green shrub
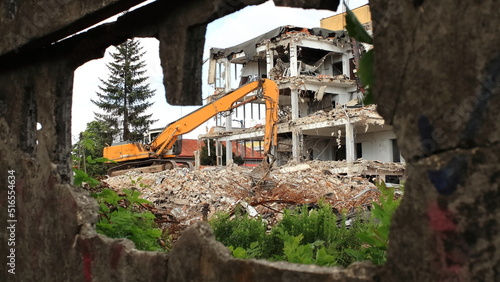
(254,251)
(311,236)
(316,224)
(375,237)
(123,217)
(312,253)
(240,232)
(318,232)
(302,236)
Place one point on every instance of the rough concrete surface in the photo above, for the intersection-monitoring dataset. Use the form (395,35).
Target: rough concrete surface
(31,24)
(436,65)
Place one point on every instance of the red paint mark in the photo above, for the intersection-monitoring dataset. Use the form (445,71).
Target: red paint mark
(452,257)
(87,267)
(455,268)
(440,220)
(88,257)
(116,252)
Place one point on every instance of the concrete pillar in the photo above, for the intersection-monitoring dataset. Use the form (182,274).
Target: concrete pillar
(295,131)
(197,160)
(229,118)
(293,59)
(346,66)
(294,104)
(349,143)
(269,60)
(218,152)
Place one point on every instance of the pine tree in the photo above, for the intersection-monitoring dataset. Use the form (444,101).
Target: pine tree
(123,96)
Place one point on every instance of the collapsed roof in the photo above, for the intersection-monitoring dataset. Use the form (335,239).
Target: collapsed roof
(249,46)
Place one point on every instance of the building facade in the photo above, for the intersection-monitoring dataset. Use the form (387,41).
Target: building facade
(321,114)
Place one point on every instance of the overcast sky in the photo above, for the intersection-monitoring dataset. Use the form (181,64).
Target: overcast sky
(224,32)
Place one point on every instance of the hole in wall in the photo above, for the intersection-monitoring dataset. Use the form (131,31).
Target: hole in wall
(84,77)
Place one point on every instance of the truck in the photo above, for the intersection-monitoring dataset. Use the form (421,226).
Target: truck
(159,154)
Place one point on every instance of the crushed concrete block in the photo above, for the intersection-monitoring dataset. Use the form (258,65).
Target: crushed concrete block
(295,168)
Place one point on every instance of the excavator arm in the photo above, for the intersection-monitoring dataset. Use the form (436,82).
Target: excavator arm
(267,89)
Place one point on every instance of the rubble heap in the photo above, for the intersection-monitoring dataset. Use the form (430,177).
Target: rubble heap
(368,114)
(181,196)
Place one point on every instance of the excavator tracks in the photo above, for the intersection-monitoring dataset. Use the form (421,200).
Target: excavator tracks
(147,166)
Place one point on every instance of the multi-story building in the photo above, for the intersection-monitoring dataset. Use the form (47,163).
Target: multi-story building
(321,115)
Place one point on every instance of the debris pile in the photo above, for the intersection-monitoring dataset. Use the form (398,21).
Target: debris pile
(368,114)
(182,196)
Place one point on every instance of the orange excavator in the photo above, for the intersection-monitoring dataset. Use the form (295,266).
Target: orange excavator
(159,154)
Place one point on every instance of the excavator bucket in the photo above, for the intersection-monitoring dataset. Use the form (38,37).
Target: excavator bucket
(261,174)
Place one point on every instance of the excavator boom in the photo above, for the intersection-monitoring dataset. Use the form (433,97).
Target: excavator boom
(227,102)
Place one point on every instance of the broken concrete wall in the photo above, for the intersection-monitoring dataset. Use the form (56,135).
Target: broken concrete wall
(29,25)
(54,234)
(446,229)
(439,88)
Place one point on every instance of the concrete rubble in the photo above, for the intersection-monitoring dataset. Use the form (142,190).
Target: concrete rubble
(181,196)
(366,115)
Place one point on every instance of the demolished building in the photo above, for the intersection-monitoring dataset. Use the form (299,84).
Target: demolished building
(321,117)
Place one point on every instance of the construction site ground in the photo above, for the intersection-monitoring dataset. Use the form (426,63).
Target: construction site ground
(181,197)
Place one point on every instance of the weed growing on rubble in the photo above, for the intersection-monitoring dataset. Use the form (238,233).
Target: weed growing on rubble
(376,236)
(314,236)
(122,216)
(302,236)
(242,232)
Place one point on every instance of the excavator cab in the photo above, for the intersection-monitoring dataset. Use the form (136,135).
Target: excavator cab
(153,133)
(177,148)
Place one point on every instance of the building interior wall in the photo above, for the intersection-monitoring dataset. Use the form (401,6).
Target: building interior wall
(377,146)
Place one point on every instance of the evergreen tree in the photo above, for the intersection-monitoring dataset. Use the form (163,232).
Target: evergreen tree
(123,96)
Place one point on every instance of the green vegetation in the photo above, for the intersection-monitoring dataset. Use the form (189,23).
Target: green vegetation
(81,177)
(87,152)
(123,216)
(314,236)
(376,235)
(242,231)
